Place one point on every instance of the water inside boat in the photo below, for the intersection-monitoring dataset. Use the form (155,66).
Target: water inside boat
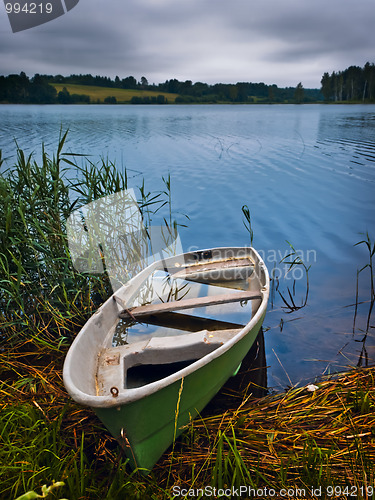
(163,287)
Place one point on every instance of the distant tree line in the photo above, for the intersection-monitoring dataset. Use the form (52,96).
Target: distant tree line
(65,97)
(157,99)
(21,89)
(352,84)
(99,81)
(190,92)
(240,92)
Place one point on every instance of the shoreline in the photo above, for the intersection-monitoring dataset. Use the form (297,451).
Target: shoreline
(341,103)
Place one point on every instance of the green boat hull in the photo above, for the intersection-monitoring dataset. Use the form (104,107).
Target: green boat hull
(147,427)
(146,388)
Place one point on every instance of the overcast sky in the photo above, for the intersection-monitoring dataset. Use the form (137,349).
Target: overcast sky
(271,41)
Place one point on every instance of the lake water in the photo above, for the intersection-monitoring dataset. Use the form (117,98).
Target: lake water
(307,174)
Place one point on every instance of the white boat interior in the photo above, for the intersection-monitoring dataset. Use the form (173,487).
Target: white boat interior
(166,319)
(160,341)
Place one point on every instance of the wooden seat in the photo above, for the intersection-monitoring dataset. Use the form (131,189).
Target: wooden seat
(178,305)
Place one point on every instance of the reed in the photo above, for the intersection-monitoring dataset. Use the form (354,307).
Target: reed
(38,290)
(44,302)
(370,266)
(42,297)
(363,357)
(295,260)
(247,223)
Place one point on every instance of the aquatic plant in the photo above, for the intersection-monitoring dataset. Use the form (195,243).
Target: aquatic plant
(295,260)
(371,252)
(247,222)
(39,284)
(46,490)
(370,266)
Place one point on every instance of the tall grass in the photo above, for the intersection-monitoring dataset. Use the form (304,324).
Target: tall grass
(38,290)
(44,302)
(42,297)
(298,440)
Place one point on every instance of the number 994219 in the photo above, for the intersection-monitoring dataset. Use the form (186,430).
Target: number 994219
(28,8)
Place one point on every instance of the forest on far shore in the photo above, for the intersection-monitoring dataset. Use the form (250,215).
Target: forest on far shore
(354,84)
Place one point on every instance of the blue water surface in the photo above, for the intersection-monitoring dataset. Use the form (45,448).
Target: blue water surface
(306,172)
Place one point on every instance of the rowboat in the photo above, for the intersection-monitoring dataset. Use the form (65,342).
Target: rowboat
(158,350)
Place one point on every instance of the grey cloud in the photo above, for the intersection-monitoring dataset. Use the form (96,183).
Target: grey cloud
(262,40)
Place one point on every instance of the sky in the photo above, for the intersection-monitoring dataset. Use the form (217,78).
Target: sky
(280,42)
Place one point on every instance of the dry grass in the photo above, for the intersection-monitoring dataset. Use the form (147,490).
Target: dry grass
(298,439)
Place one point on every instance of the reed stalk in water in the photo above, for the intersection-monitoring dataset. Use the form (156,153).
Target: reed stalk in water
(247,223)
(295,260)
(371,251)
(363,357)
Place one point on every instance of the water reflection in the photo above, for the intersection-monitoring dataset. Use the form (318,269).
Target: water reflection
(161,287)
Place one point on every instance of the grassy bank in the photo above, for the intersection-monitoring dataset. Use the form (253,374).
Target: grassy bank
(123,96)
(298,440)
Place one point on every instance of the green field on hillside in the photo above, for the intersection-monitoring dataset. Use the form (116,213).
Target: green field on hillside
(100,93)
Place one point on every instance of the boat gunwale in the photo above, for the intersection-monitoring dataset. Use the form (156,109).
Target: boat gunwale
(130,395)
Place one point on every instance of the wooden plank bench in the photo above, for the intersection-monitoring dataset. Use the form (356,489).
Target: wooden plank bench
(178,305)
